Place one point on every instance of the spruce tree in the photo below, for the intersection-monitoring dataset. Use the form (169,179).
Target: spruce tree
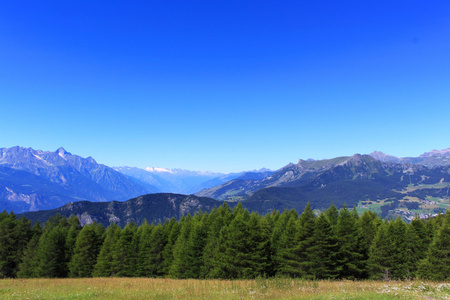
(145,231)
(52,252)
(367,229)
(104,265)
(380,260)
(237,256)
(304,242)
(154,257)
(87,248)
(348,258)
(399,252)
(332,213)
(219,218)
(417,240)
(125,252)
(436,265)
(194,248)
(30,258)
(294,255)
(171,230)
(180,262)
(286,262)
(14,236)
(323,249)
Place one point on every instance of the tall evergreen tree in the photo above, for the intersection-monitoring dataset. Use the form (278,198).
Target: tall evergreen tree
(145,231)
(104,265)
(180,262)
(304,242)
(87,248)
(124,256)
(52,253)
(172,230)
(367,229)
(332,213)
(154,257)
(237,256)
(286,262)
(30,258)
(14,236)
(220,218)
(417,239)
(195,246)
(380,260)
(436,265)
(323,249)
(348,258)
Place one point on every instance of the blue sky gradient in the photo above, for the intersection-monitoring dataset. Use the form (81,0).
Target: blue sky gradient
(225,85)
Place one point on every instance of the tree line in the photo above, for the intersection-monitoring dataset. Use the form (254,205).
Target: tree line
(231,244)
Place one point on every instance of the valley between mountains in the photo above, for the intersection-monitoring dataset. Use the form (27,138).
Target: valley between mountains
(40,184)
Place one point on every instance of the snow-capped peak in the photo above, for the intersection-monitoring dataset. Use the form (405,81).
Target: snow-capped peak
(62,152)
(157,170)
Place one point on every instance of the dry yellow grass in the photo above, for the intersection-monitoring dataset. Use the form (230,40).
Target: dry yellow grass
(279,288)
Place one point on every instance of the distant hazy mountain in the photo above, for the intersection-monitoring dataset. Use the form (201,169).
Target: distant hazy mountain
(434,158)
(153,208)
(35,179)
(178,180)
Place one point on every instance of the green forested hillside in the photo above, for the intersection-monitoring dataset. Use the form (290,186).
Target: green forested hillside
(153,208)
(231,243)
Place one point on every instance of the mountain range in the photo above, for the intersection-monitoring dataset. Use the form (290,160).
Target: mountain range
(177,180)
(34,180)
(356,180)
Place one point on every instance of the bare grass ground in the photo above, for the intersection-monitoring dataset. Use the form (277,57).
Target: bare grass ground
(278,288)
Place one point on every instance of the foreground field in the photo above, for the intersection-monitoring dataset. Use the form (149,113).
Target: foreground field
(279,288)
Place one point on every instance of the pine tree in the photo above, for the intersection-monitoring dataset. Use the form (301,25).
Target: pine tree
(219,218)
(29,259)
(171,230)
(194,248)
(304,241)
(332,214)
(348,259)
(52,252)
(87,248)
(74,227)
(154,257)
(237,255)
(286,262)
(14,236)
(323,249)
(124,252)
(367,229)
(294,254)
(104,265)
(180,262)
(380,260)
(436,265)
(417,239)
(399,268)
(145,231)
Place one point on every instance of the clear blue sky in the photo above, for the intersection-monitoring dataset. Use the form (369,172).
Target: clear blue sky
(224,85)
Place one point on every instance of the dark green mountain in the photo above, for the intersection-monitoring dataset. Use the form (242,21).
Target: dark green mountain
(153,208)
(344,180)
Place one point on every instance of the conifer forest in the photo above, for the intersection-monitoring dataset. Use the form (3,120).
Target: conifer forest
(230,244)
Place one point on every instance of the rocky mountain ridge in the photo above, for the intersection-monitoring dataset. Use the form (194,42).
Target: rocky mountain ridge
(35,179)
(153,208)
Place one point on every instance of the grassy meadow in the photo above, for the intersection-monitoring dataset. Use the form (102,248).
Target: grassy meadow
(278,288)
